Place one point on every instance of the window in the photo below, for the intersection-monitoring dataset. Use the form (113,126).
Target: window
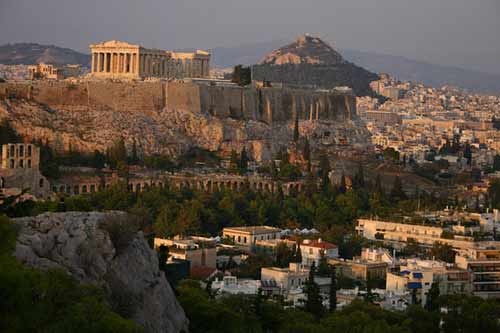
(12,163)
(310,251)
(29,164)
(21,163)
(21,151)
(92,188)
(12,149)
(29,150)
(84,189)
(239,239)
(41,182)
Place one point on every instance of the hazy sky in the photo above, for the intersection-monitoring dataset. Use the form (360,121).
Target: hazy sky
(465,33)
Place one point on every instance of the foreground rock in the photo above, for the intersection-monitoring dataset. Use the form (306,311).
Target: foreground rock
(76,243)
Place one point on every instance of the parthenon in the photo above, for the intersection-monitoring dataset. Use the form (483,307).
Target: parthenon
(121,59)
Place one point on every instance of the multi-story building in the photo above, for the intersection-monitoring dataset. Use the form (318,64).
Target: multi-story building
(248,236)
(312,250)
(118,59)
(484,267)
(417,276)
(197,253)
(286,279)
(400,233)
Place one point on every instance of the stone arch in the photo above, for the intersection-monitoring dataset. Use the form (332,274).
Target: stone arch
(84,188)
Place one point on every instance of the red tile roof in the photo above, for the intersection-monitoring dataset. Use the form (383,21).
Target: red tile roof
(202,272)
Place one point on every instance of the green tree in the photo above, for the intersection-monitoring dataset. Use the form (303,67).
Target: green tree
(243,165)
(283,255)
(358,181)
(468,153)
(432,301)
(496,163)
(314,302)
(118,153)
(323,266)
(342,186)
(397,193)
(443,252)
(298,254)
(234,162)
(333,289)
(296,133)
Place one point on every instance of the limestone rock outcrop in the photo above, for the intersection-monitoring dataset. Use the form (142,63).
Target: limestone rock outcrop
(76,243)
(171,131)
(305,50)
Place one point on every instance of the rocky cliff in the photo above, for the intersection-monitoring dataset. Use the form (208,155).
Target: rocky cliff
(172,118)
(309,61)
(77,243)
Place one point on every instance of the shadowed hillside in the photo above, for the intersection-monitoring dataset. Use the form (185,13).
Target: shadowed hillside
(32,53)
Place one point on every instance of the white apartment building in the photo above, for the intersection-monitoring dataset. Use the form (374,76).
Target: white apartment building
(312,251)
(285,279)
(247,236)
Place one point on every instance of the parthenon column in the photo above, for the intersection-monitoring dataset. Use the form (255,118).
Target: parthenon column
(106,62)
(99,63)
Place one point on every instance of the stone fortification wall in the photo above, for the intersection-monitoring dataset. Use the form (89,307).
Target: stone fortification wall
(260,104)
(95,95)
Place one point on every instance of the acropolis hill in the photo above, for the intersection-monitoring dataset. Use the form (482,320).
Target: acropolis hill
(146,96)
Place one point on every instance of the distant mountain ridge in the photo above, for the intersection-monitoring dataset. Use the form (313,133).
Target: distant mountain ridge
(32,53)
(400,67)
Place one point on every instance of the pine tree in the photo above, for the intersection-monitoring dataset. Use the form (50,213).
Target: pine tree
(298,254)
(234,162)
(162,257)
(118,153)
(296,134)
(333,289)
(496,163)
(342,186)
(324,166)
(134,159)
(397,192)
(378,186)
(468,153)
(243,165)
(314,301)
(359,178)
(323,267)
(307,154)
